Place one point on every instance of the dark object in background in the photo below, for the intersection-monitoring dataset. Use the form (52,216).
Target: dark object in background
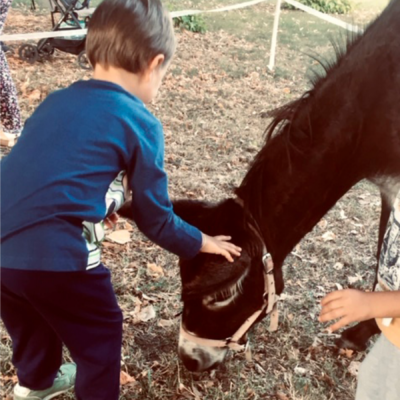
(4,47)
(66,15)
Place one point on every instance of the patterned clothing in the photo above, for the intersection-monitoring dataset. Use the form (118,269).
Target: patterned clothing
(389,271)
(389,263)
(117,194)
(10,117)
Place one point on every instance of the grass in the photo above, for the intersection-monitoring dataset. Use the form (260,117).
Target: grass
(370,5)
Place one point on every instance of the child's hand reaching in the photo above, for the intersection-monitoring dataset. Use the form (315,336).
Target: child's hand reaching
(220,245)
(347,305)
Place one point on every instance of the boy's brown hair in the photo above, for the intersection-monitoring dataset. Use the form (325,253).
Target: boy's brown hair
(128,34)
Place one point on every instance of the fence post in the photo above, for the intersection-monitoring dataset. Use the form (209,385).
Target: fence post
(274,39)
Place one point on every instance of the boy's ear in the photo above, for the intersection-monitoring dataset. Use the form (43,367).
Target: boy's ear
(157,61)
(154,64)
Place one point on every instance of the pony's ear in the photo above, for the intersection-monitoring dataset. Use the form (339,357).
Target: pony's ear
(192,211)
(212,274)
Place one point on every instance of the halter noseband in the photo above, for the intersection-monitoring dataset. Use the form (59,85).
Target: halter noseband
(269,304)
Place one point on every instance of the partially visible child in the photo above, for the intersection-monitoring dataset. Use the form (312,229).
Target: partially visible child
(10,117)
(379,375)
(78,154)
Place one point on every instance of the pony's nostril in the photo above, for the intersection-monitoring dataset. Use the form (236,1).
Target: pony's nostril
(191,364)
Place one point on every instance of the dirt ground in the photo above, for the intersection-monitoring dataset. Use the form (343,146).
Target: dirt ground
(211,106)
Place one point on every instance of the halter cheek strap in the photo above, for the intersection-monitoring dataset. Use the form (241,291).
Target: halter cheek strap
(273,298)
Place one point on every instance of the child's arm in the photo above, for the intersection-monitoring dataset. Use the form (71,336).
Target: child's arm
(352,305)
(214,245)
(151,207)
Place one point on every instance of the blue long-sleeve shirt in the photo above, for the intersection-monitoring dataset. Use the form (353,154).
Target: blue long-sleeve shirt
(56,178)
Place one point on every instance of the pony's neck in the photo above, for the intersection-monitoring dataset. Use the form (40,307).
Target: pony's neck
(287,201)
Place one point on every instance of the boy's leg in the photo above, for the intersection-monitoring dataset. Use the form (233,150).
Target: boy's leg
(82,309)
(97,349)
(37,350)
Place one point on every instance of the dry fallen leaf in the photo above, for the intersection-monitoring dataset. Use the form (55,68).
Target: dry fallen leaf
(328,236)
(354,367)
(339,286)
(128,226)
(121,237)
(323,224)
(282,396)
(300,371)
(165,322)
(346,352)
(125,378)
(354,279)
(196,392)
(154,270)
(338,266)
(147,313)
(34,95)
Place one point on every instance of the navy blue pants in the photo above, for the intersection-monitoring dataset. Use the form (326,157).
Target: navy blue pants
(41,310)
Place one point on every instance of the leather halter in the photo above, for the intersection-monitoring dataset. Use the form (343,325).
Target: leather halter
(269,306)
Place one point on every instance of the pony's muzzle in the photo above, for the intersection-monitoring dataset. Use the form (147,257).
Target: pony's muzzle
(198,358)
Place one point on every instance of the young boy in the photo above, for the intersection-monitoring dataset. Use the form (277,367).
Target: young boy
(379,375)
(69,171)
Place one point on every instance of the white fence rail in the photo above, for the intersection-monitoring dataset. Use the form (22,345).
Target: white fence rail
(309,10)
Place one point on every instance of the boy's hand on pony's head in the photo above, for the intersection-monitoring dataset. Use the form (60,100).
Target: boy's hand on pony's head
(348,305)
(220,245)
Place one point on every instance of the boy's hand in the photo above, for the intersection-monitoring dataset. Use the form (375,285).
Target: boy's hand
(220,245)
(347,305)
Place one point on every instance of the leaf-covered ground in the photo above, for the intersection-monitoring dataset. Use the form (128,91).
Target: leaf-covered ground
(211,106)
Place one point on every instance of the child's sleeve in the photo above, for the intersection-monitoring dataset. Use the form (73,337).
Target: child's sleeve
(151,206)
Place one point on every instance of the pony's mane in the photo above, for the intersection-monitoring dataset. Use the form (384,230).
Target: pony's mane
(285,114)
(294,136)
(283,117)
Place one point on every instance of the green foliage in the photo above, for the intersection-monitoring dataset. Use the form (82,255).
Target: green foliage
(325,6)
(193,23)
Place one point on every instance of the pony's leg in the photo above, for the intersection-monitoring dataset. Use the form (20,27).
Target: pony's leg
(356,338)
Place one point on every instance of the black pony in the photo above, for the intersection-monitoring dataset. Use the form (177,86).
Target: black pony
(345,129)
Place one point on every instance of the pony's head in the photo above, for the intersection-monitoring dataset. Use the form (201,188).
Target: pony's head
(219,296)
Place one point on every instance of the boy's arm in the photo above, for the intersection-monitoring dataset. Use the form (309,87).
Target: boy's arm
(151,207)
(352,305)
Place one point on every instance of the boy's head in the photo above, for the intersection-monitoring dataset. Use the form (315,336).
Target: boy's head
(130,35)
